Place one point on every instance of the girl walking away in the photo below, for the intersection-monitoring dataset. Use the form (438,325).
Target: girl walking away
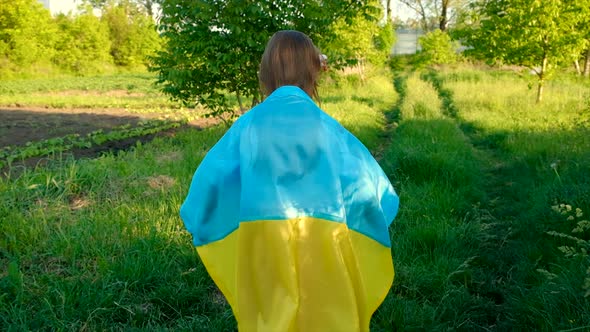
(289,211)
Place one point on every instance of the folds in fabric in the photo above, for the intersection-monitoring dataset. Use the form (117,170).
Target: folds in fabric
(302,274)
(290,215)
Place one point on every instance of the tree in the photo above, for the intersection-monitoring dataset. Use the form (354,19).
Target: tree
(147,5)
(421,8)
(437,48)
(540,35)
(132,33)
(27,34)
(213,47)
(584,27)
(361,38)
(435,13)
(84,44)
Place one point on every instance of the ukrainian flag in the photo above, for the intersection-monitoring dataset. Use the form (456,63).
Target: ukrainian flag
(290,213)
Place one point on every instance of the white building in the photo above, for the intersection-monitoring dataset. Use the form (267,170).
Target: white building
(61,6)
(406,41)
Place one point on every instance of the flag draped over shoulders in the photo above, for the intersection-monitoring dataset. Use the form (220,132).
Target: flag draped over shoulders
(290,214)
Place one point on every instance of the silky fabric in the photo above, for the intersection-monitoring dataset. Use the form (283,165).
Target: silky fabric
(290,214)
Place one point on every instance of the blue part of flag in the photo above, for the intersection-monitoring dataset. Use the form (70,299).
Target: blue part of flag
(285,159)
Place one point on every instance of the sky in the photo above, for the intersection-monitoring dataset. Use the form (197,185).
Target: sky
(64,6)
(61,6)
(400,10)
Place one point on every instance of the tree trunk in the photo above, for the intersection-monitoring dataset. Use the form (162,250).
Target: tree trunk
(542,79)
(540,90)
(587,64)
(149,7)
(443,15)
(577,65)
(423,15)
(255,100)
(240,102)
(388,11)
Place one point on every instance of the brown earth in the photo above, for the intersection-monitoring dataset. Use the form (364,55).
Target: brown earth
(19,125)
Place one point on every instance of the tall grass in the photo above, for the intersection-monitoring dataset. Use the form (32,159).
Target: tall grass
(97,244)
(360,106)
(539,156)
(435,237)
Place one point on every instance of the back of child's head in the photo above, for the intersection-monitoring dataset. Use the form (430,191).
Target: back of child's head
(290,58)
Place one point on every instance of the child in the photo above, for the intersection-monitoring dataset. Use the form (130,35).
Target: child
(289,211)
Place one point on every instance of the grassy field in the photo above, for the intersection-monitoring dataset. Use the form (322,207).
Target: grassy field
(49,117)
(129,91)
(97,244)
(492,188)
(481,241)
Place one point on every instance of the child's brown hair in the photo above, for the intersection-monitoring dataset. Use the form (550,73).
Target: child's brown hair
(290,58)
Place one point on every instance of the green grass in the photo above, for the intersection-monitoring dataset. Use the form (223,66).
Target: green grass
(133,91)
(138,82)
(480,165)
(360,108)
(97,244)
(540,156)
(435,237)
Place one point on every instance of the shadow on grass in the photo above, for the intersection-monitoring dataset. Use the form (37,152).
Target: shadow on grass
(472,229)
(135,271)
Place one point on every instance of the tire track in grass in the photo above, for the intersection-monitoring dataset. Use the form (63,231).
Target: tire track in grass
(506,195)
(435,239)
(392,117)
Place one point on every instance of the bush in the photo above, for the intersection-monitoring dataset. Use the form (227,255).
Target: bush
(437,48)
(83,46)
(133,35)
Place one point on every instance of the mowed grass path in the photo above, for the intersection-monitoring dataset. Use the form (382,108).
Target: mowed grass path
(478,243)
(98,244)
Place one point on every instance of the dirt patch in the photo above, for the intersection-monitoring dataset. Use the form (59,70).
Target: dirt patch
(21,125)
(18,167)
(161,182)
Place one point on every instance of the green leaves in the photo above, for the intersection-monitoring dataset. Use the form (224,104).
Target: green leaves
(26,34)
(84,44)
(69,142)
(437,48)
(540,35)
(523,31)
(213,47)
(132,32)
(33,42)
(358,38)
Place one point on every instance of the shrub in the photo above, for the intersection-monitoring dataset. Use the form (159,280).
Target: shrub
(437,48)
